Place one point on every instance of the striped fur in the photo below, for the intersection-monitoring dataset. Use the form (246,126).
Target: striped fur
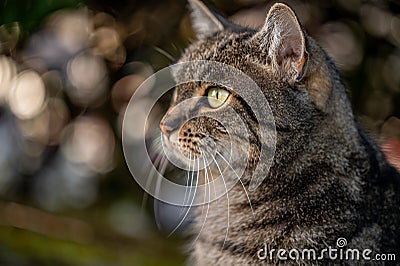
(328,180)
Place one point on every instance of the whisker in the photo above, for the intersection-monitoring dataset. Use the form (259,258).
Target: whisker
(191,204)
(241,182)
(205,193)
(212,178)
(164,53)
(156,145)
(164,163)
(227,197)
(186,190)
(157,161)
(244,188)
(187,182)
(175,47)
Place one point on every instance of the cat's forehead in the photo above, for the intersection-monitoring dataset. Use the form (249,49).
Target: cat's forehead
(234,49)
(224,47)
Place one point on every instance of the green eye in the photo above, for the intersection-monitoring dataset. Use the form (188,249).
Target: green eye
(217,96)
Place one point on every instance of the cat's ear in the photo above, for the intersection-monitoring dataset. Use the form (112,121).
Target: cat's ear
(205,22)
(283,39)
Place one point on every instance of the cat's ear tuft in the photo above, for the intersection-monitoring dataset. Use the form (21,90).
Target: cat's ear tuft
(283,39)
(205,22)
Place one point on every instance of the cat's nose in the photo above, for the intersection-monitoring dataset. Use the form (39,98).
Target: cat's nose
(166,129)
(167,125)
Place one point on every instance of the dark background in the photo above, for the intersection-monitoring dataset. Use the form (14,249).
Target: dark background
(67,70)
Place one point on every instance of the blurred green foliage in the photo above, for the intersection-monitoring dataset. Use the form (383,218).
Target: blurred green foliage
(30,13)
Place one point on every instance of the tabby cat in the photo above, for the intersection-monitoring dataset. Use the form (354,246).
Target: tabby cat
(327,180)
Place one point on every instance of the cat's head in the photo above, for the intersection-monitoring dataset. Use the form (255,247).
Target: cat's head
(293,72)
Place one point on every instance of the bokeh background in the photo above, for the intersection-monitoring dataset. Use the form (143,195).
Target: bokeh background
(67,71)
